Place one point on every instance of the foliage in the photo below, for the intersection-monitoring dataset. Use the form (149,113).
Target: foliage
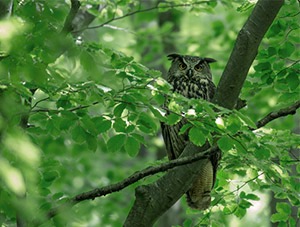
(79,113)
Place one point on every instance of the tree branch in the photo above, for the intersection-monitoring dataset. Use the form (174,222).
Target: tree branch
(281,113)
(154,199)
(98,192)
(142,174)
(83,19)
(67,28)
(149,9)
(245,51)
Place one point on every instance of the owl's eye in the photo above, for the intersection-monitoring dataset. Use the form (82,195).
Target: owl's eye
(182,66)
(198,67)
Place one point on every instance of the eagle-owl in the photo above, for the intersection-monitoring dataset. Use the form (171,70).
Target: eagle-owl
(191,77)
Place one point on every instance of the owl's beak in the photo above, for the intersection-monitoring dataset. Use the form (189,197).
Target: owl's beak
(190,73)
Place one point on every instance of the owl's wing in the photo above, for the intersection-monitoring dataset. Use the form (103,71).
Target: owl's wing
(165,131)
(212,90)
(215,158)
(175,143)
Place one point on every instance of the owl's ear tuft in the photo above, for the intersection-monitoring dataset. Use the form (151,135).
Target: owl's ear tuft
(172,57)
(209,60)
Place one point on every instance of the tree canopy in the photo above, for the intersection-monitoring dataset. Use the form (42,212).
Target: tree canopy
(82,87)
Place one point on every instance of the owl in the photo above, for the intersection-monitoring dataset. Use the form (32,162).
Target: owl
(191,77)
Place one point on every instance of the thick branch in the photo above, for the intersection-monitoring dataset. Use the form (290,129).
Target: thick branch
(142,174)
(75,5)
(281,113)
(244,52)
(98,192)
(154,199)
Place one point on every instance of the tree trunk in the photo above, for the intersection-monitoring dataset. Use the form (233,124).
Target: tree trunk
(154,199)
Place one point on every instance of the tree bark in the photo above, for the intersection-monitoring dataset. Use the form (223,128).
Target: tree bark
(245,51)
(154,199)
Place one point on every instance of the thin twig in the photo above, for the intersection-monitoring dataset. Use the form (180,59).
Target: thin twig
(147,10)
(281,113)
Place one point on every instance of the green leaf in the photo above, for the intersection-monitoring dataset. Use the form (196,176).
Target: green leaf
(279,217)
(298,168)
(225,143)
(101,124)
(87,61)
(132,146)
(240,212)
(116,142)
(286,50)
(245,204)
(196,136)
(272,51)
(39,120)
(230,209)
(92,142)
(208,108)
(173,118)
(89,125)
(79,134)
(130,128)
(292,221)
(293,80)
(245,6)
(264,66)
(50,175)
(120,125)
(252,197)
(262,153)
(57,196)
(159,98)
(233,124)
(157,114)
(131,98)
(295,201)
(118,110)
(188,223)
(283,208)
(184,128)
(138,137)
(64,102)
(146,123)
(246,119)
(163,7)
(67,120)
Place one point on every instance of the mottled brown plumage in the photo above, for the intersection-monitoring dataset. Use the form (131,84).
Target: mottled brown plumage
(190,76)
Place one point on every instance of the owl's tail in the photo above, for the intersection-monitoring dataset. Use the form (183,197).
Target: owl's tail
(198,196)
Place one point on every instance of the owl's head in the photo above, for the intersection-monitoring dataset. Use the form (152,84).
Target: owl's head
(189,67)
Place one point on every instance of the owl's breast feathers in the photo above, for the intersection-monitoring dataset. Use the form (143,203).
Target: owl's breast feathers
(200,88)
